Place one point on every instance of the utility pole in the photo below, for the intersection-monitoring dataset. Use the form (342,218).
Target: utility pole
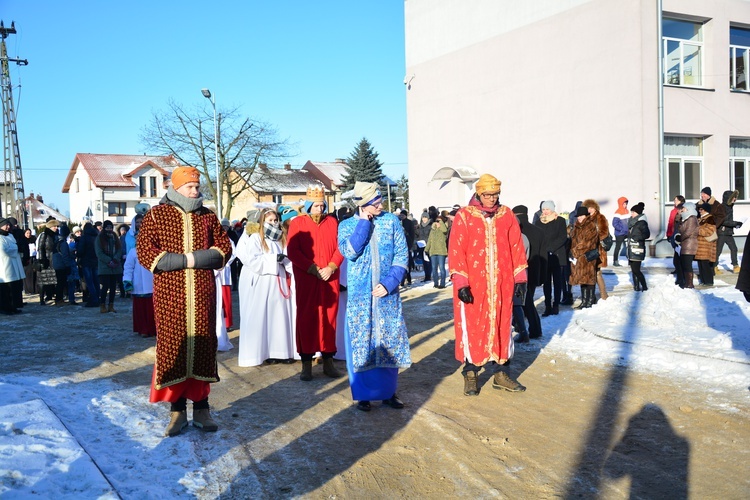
(11,183)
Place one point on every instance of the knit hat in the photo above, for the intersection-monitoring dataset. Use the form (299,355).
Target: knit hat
(487,184)
(706,207)
(582,211)
(183,175)
(549,204)
(3,221)
(520,210)
(225,222)
(75,229)
(286,213)
(638,208)
(425,215)
(365,193)
(706,190)
(142,208)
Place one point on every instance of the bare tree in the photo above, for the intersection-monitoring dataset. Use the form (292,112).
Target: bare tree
(189,137)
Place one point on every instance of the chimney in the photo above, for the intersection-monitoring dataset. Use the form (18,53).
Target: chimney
(287,166)
(263,166)
(339,160)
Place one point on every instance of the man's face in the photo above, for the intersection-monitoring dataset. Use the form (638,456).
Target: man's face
(5,226)
(190,190)
(317,208)
(489,200)
(705,197)
(77,234)
(137,224)
(375,208)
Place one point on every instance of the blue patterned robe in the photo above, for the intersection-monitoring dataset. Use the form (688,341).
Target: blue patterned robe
(377,341)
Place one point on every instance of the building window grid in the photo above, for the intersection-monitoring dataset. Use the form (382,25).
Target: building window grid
(142,186)
(152,187)
(683,75)
(739,174)
(684,176)
(738,76)
(116,209)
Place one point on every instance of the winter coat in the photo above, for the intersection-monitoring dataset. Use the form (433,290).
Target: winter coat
(555,236)
(61,259)
(727,227)
(638,233)
(620,219)
(109,254)
(87,249)
(141,278)
(11,268)
(437,244)
(422,231)
(537,257)
(706,249)
(583,237)
(717,211)
(408,226)
(743,279)
(45,247)
(689,236)
(23,244)
(602,228)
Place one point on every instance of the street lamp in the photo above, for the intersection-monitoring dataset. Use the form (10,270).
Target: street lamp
(207,94)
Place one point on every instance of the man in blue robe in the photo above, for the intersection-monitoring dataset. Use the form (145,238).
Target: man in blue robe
(377,344)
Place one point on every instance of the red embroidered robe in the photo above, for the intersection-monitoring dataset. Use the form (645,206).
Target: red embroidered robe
(489,253)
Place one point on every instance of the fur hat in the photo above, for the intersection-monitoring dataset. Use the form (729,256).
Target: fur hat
(75,229)
(638,208)
(365,193)
(53,223)
(183,175)
(548,204)
(488,184)
(589,203)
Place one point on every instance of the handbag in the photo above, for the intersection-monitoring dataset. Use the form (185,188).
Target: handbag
(592,254)
(712,237)
(607,242)
(47,277)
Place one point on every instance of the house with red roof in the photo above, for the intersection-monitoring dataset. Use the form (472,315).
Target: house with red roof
(109,186)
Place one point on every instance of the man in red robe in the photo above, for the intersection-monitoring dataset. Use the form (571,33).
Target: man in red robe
(313,250)
(488,267)
(181,242)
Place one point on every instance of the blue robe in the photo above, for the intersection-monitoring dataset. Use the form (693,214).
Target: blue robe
(377,344)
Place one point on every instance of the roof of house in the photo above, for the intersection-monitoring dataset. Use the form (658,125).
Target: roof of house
(280,180)
(115,171)
(334,173)
(40,211)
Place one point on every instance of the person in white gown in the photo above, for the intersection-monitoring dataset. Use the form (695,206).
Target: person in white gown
(266,313)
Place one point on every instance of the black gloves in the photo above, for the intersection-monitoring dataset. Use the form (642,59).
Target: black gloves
(737,224)
(519,294)
(172,262)
(678,238)
(465,296)
(280,258)
(208,259)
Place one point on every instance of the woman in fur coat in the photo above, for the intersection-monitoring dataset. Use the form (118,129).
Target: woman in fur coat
(602,227)
(583,238)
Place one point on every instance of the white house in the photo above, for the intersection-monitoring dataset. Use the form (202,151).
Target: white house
(567,100)
(105,186)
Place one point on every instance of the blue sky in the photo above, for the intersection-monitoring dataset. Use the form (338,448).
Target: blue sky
(325,73)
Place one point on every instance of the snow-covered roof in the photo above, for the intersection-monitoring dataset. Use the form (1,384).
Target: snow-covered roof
(40,211)
(113,171)
(280,180)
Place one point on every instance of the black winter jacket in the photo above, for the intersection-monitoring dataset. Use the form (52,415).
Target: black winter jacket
(87,250)
(728,225)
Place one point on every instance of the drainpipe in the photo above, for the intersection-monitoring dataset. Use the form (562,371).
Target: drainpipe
(662,185)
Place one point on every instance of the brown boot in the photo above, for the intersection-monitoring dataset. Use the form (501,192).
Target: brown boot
(177,421)
(102,308)
(111,308)
(689,280)
(504,381)
(329,369)
(202,419)
(602,287)
(306,374)
(470,384)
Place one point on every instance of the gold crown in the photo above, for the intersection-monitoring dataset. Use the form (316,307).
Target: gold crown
(316,193)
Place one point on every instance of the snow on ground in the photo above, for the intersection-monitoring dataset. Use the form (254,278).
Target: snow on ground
(694,337)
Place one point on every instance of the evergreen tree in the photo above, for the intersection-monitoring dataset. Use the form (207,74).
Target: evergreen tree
(363,165)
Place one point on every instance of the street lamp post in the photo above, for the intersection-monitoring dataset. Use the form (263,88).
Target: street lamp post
(207,94)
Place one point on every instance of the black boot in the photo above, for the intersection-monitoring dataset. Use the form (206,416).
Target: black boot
(644,286)
(636,284)
(584,298)
(588,296)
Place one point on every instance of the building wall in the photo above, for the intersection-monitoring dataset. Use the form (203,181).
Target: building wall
(559,99)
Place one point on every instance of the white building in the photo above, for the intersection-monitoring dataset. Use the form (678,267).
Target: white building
(107,187)
(560,99)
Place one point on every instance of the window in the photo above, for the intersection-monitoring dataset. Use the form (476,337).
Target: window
(683,52)
(142,182)
(78,186)
(116,208)
(90,185)
(739,165)
(683,157)
(152,187)
(277,198)
(739,58)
